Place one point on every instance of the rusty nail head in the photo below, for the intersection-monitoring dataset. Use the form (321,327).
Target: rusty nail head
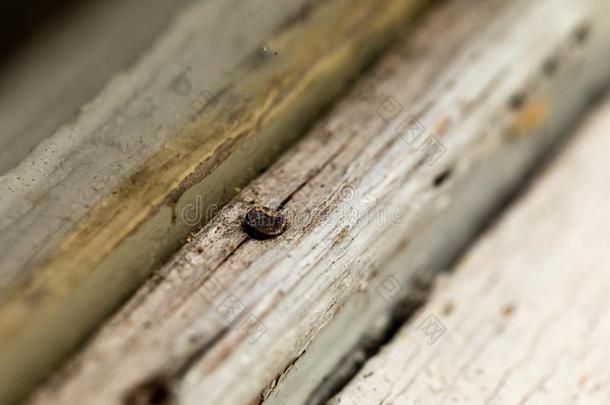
(264,223)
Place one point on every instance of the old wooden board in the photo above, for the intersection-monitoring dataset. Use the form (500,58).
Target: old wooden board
(370,194)
(68,60)
(525,316)
(216,99)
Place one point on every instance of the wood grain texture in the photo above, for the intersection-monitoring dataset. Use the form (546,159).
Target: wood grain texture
(527,312)
(233,320)
(94,208)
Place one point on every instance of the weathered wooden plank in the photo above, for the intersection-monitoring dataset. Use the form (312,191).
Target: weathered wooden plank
(78,213)
(233,320)
(67,61)
(525,317)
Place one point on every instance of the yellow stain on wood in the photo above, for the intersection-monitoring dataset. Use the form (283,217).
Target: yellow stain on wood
(531,116)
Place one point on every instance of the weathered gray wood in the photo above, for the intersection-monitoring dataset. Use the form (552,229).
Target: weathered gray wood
(233,320)
(86,216)
(67,62)
(525,317)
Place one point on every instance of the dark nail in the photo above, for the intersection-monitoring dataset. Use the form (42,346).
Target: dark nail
(264,223)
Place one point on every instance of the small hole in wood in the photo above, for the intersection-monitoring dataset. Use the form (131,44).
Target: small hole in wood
(448,308)
(581,34)
(442,178)
(550,66)
(156,391)
(508,310)
(517,101)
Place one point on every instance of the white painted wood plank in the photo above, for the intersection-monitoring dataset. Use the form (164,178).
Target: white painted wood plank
(525,316)
(362,201)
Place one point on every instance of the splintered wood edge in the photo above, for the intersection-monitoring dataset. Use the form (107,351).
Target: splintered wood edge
(524,316)
(47,309)
(235,320)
